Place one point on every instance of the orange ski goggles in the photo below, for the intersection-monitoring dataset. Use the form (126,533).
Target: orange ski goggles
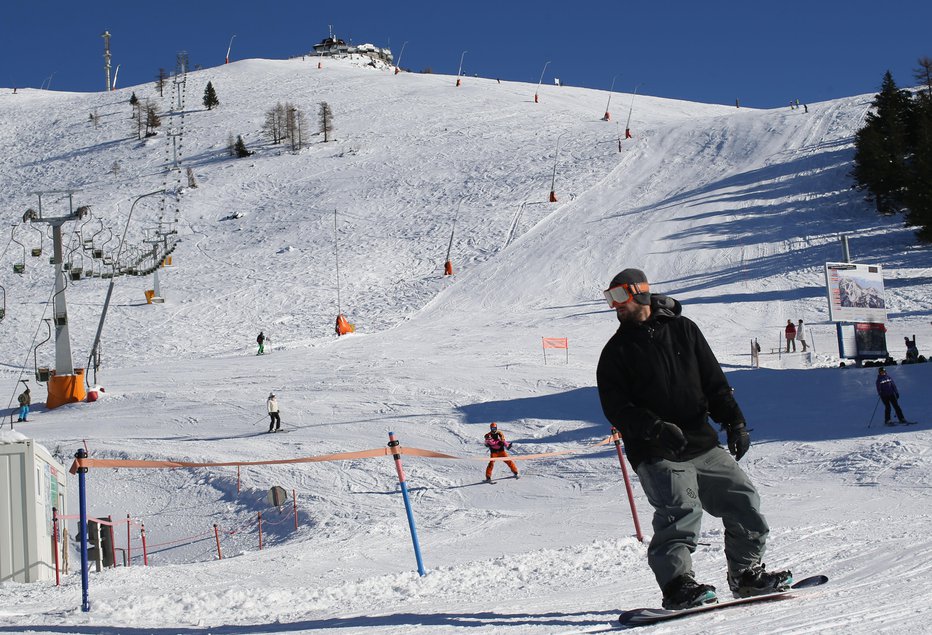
(624,293)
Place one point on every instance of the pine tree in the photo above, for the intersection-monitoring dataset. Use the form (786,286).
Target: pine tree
(160,81)
(210,97)
(153,120)
(133,100)
(881,147)
(326,120)
(918,195)
(923,74)
(240,148)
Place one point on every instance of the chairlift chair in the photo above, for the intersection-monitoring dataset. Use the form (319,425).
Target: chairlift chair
(90,244)
(43,373)
(37,251)
(18,267)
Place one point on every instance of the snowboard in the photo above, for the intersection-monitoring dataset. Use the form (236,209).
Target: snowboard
(645,617)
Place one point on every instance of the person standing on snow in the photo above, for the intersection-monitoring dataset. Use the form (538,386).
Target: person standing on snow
(25,400)
(260,340)
(886,388)
(495,441)
(790,331)
(275,422)
(912,351)
(801,335)
(659,382)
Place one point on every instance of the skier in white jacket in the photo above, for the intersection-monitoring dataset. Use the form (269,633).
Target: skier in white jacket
(275,422)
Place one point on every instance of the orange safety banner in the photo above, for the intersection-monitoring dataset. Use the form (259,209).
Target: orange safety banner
(98,463)
(90,463)
(555,342)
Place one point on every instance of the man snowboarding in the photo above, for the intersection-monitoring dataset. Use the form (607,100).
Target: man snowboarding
(886,388)
(275,422)
(659,382)
(260,340)
(495,441)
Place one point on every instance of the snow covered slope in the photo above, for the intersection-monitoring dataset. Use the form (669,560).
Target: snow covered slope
(732,211)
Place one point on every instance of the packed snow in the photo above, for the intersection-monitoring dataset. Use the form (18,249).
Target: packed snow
(732,211)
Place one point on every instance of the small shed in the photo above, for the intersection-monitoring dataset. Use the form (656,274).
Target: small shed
(32,482)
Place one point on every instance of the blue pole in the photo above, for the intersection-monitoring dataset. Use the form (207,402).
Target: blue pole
(82,493)
(393,443)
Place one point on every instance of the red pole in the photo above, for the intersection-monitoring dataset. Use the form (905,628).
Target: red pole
(129,553)
(217,536)
(145,553)
(294,504)
(55,545)
(260,531)
(112,546)
(624,470)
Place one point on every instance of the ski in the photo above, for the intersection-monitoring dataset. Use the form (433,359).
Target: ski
(645,617)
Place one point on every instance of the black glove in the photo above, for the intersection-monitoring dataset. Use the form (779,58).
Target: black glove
(509,446)
(738,439)
(668,435)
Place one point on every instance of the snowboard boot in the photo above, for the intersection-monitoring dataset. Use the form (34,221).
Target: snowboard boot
(684,592)
(757,580)
(488,479)
(517,475)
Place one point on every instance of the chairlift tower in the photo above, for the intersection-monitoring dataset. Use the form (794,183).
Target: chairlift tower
(156,297)
(106,36)
(66,385)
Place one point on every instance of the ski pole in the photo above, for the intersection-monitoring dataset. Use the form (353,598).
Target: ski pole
(874,412)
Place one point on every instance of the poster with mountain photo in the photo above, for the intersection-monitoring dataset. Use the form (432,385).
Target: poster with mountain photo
(855,292)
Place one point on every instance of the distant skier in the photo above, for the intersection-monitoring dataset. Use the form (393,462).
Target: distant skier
(25,400)
(790,332)
(495,441)
(260,340)
(912,351)
(801,335)
(886,388)
(275,422)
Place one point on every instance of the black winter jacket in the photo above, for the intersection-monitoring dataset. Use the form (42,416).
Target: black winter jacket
(664,369)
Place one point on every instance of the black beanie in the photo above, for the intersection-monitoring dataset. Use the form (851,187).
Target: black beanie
(629,276)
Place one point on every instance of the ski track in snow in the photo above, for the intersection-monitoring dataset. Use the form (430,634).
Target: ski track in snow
(732,211)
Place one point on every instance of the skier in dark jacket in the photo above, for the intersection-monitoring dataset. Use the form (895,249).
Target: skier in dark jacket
(659,382)
(260,340)
(886,388)
(25,400)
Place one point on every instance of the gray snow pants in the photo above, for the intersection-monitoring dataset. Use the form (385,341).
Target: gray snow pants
(680,490)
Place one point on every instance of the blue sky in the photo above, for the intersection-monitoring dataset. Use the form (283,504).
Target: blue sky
(764,54)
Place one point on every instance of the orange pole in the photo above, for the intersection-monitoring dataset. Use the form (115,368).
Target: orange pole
(217,536)
(145,553)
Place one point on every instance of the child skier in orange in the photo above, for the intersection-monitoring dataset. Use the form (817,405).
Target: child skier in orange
(495,441)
